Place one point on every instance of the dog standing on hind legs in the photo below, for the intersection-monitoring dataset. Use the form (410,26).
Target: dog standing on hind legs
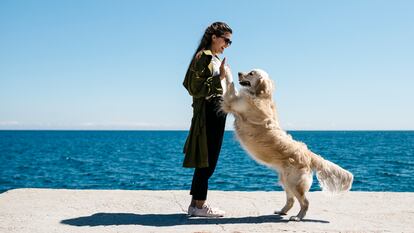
(257,127)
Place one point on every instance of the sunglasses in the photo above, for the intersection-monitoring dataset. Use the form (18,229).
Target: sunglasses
(227,40)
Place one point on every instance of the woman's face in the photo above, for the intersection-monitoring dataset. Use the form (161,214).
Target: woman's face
(219,43)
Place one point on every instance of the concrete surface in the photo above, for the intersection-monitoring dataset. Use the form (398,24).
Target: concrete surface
(60,210)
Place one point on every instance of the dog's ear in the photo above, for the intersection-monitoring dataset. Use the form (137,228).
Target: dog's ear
(264,87)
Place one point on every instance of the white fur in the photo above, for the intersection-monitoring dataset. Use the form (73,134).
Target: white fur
(258,130)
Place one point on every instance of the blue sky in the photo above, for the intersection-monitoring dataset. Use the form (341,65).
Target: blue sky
(337,65)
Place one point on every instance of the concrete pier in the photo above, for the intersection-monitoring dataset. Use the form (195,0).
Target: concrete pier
(62,210)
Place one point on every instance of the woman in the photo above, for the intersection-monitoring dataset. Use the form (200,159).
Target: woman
(205,81)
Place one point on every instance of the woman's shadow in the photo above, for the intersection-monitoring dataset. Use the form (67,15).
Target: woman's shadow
(161,220)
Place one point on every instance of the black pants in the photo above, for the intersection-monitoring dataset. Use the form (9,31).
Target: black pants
(215,123)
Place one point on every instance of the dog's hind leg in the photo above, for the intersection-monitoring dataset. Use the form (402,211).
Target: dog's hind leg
(299,193)
(304,205)
(289,203)
(290,197)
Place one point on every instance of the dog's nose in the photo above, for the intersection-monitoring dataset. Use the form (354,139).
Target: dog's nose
(240,75)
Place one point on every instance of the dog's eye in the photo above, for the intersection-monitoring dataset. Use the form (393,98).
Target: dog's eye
(251,73)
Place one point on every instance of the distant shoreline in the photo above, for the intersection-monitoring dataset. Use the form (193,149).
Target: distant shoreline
(184,130)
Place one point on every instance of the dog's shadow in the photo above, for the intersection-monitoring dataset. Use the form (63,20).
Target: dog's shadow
(162,220)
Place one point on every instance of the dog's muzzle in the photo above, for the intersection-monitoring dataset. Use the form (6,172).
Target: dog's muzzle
(245,83)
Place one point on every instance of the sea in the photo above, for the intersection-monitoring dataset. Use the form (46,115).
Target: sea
(152,160)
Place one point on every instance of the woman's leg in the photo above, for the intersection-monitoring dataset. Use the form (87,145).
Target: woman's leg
(215,124)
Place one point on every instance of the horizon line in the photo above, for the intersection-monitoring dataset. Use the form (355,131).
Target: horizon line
(228,130)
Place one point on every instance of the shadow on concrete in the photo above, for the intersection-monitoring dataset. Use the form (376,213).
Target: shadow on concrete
(160,220)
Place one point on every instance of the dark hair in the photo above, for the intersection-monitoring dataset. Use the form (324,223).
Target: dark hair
(218,29)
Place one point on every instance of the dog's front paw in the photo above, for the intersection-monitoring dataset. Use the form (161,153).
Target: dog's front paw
(295,218)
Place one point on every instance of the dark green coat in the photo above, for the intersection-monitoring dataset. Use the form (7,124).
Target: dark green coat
(199,83)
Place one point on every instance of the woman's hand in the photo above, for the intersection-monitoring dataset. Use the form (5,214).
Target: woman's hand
(223,70)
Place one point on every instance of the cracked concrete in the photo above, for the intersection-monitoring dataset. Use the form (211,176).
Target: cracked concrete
(62,210)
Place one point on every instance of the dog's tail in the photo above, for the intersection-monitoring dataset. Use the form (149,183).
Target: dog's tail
(331,177)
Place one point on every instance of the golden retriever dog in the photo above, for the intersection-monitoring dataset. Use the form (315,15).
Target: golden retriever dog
(258,130)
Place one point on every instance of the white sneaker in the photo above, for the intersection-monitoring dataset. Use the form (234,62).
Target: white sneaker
(190,210)
(207,211)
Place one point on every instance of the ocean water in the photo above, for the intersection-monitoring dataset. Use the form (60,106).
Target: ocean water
(152,160)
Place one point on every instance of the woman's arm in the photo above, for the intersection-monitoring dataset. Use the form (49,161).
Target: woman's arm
(199,82)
